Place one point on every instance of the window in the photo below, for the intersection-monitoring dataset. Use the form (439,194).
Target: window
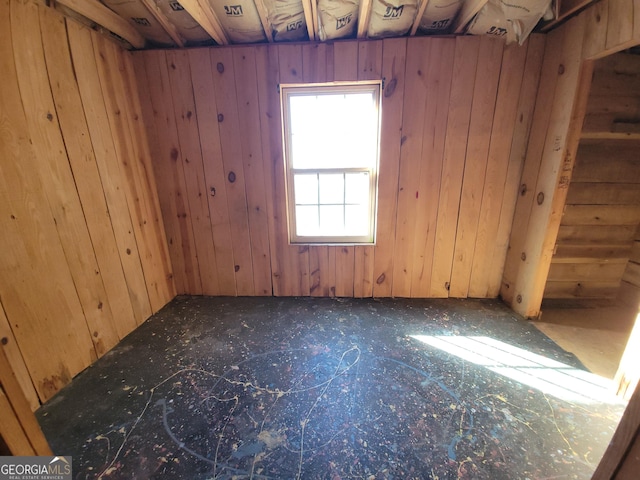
(331,140)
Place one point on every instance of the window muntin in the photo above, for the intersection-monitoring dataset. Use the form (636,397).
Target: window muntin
(331,140)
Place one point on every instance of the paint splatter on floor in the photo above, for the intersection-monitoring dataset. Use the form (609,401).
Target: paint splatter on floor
(299,388)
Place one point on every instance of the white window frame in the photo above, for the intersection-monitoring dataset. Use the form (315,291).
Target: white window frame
(286,92)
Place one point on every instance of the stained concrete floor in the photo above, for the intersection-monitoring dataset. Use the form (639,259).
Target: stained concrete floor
(284,388)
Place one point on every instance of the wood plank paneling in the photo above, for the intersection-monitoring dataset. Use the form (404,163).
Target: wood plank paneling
(439,94)
(72,279)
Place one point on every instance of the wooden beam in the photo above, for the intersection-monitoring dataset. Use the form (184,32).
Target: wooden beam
(202,13)
(164,22)
(416,22)
(103,16)
(566,8)
(307,5)
(469,10)
(264,19)
(363,17)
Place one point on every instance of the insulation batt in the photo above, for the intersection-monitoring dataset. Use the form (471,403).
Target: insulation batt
(240,20)
(513,19)
(439,15)
(337,18)
(391,17)
(186,26)
(141,19)
(287,20)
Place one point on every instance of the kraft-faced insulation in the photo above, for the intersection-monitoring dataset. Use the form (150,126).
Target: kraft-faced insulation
(337,18)
(287,20)
(513,21)
(141,19)
(186,26)
(439,15)
(391,17)
(240,20)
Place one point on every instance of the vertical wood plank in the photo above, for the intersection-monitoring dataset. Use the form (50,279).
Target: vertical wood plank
(553,177)
(393,69)
(216,192)
(345,68)
(249,121)
(597,20)
(170,178)
(57,178)
(418,61)
(296,280)
(11,431)
(482,115)
(87,178)
(369,68)
(268,69)
(504,123)
(35,305)
(86,72)
(541,116)
(109,74)
(619,23)
(527,101)
(16,361)
(438,79)
(186,118)
(20,407)
(156,263)
(464,68)
(225,90)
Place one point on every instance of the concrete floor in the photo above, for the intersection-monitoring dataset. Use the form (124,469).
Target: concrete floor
(303,388)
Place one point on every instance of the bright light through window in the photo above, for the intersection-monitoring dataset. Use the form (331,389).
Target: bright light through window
(331,136)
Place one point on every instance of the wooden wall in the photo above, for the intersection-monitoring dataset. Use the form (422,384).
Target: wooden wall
(455,121)
(602,210)
(84,258)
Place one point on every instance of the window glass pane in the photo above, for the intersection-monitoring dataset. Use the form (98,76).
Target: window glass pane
(332,219)
(357,220)
(331,188)
(307,222)
(306,188)
(333,130)
(357,188)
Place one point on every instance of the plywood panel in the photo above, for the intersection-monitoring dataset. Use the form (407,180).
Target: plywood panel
(482,115)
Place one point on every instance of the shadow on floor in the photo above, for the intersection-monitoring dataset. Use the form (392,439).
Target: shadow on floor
(285,388)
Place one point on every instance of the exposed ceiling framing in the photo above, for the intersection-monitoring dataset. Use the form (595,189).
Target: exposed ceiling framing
(206,16)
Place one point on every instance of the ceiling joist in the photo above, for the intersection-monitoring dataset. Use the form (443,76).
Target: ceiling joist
(416,22)
(103,16)
(469,10)
(264,19)
(164,22)
(202,13)
(308,18)
(363,17)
